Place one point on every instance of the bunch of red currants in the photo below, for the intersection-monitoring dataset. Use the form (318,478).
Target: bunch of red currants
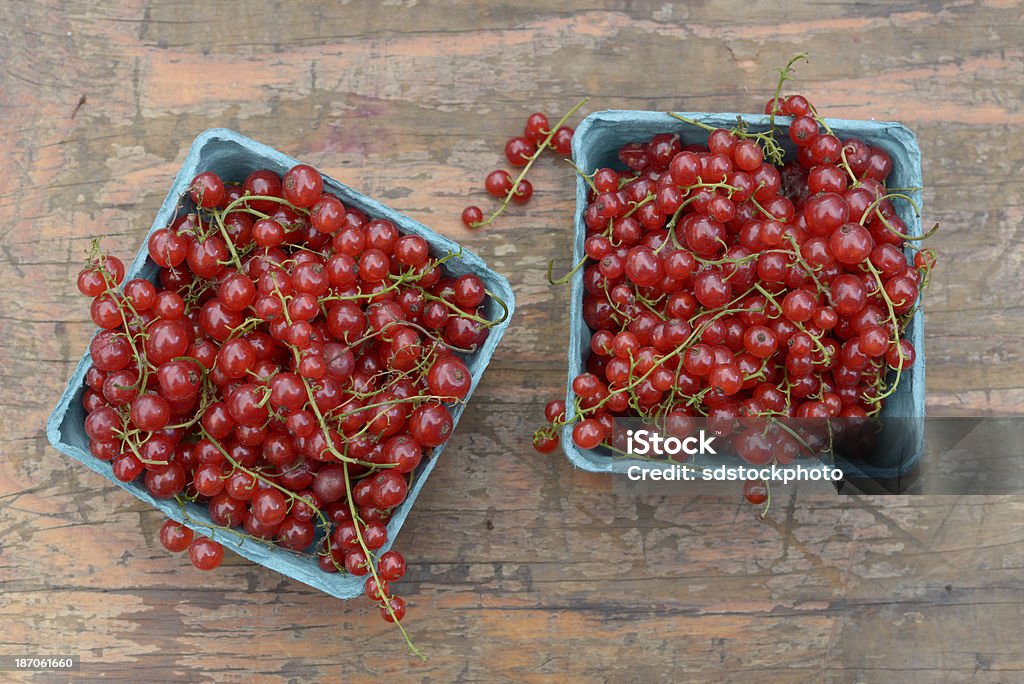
(522,151)
(293,365)
(727,283)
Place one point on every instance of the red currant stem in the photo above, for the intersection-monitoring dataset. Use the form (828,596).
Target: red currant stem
(344,458)
(312,399)
(793,433)
(464,314)
(408,400)
(671,225)
(771,147)
(784,75)
(121,302)
(94,256)
(588,179)
(758,206)
(692,122)
(899,347)
(807,267)
(248,325)
(845,163)
(568,276)
(529,164)
(767,502)
(548,431)
(699,330)
(632,210)
(212,527)
(615,307)
(826,356)
(256,475)
(218,216)
(373,570)
(504,308)
(650,305)
(244,199)
(888,226)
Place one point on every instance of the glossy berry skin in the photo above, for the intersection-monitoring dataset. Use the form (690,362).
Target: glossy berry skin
(561,142)
(149,412)
(848,294)
(328,214)
(174,536)
(851,244)
(394,611)
(269,506)
(523,193)
(449,378)
(755,492)
(537,127)
(760,341)
(430,425)
(471,216)
(587,434)
(519,150)
(498,183)
(207,190)
(302,185)
(391,566)
(205,553)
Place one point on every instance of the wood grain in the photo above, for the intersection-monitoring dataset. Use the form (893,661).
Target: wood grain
(521,569)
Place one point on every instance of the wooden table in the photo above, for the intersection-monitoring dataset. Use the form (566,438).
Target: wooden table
(521,568)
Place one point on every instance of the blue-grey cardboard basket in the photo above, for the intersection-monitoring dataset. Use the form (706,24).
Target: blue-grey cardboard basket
(595,144)
(234,156)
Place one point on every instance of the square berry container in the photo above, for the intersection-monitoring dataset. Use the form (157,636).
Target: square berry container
(595,144)
(234,156)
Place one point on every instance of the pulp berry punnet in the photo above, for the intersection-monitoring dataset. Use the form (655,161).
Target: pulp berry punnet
(293,366)
(726,281)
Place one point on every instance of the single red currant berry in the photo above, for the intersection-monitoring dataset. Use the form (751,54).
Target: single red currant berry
(523,193)
(472,216)
(588,434)
(174,536)
(328,214)
(374,589)
(518,150)
(393,609)
(391,566)
(755,492)
(537,127)
(302,185)
(205,553)
(207,190)
(498,183)
(545,442)
(561,142)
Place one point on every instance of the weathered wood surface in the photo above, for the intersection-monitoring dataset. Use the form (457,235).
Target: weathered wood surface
(521,569)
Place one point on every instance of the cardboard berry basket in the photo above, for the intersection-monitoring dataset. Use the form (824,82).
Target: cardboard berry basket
(595,145)
(234,156)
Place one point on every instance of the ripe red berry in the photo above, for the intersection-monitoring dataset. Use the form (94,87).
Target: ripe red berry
(498,183)
(174,536)
(205,553)
(302,185)
(472,216)
(207,190)
(519,150)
